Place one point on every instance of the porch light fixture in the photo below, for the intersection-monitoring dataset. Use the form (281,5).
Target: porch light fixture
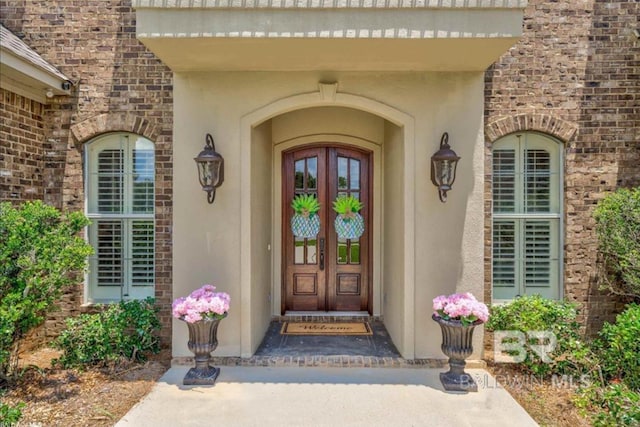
(443,167)
(210,169)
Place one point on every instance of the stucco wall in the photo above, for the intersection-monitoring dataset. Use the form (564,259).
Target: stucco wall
(207,239)
(323,120)
(393,295)
(261,221)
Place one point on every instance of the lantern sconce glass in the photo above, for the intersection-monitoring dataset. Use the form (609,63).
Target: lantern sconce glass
(443,167)
(210,169)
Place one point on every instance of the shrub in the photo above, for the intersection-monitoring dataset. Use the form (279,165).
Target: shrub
(10,414)
(534,313)
(619,347)
(41,254)
(123,331)
(618,228)
(613,405)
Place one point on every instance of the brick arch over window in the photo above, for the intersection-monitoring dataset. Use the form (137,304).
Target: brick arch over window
(552,126)
(115,122)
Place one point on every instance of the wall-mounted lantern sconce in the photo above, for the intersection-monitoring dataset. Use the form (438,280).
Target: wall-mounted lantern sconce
(443,167)
(210,169)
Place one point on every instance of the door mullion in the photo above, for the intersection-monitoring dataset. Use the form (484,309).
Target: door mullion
(329,255)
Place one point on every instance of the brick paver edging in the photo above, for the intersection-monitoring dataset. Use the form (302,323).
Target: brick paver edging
(327,362)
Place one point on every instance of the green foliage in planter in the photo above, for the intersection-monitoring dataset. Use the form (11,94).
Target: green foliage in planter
(534,313)
(618,228)
(347,205)
(10,414)
(126,330)
(305,204)
(41,254)
(619,347)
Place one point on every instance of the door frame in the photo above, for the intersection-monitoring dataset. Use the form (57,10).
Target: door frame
(368,208)
(375,241)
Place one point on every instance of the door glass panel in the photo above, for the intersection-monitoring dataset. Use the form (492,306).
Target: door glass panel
(312,251)
(354,174)
(354,251)
(343,173)
(342,251)
(312,173)
(356,195)
(298,250)
(299,177)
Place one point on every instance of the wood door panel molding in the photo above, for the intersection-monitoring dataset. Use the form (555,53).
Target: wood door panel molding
(348,284)
(305,284)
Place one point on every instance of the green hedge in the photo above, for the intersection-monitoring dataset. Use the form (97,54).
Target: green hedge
(534,313)
(123,331)
(41,254)
(618,228)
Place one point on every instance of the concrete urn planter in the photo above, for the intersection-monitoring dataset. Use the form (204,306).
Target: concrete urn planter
(203,339)
(456,344)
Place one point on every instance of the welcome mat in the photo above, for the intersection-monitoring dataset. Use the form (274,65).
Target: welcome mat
(325,328)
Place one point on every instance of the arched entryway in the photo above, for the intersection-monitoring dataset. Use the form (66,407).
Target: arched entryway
(347,121)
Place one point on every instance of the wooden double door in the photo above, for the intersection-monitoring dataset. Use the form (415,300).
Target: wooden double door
(326,273)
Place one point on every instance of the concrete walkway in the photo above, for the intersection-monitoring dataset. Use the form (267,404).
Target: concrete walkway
(289,396)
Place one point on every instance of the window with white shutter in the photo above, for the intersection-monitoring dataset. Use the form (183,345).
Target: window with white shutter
(120,182)
(527,184)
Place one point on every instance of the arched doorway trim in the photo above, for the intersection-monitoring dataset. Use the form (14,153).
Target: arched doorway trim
(319,99)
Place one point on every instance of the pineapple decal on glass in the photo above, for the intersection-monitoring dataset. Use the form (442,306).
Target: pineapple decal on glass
(349,223)
(305,223)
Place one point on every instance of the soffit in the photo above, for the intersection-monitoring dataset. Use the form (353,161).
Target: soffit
(401,38)
(331,4)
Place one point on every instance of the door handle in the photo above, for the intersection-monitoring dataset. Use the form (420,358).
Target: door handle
(322,253)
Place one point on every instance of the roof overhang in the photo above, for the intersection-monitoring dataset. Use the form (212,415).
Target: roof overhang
(24,78)
(349,35)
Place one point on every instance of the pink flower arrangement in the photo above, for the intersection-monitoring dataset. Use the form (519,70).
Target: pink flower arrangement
(463,307)
(203,303)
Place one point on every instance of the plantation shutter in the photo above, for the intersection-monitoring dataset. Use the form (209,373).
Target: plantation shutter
(142,180)
(109,253)
(504,180)
(120,205)
(541,257)
(110,181)
(537,192)
(526,217)
(504,259)
(142,253)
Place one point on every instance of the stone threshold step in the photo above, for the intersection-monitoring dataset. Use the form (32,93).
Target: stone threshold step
(326,316)
(328,362)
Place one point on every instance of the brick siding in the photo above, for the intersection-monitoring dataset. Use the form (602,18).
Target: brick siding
(119,86)
(574,75)
(21,150)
